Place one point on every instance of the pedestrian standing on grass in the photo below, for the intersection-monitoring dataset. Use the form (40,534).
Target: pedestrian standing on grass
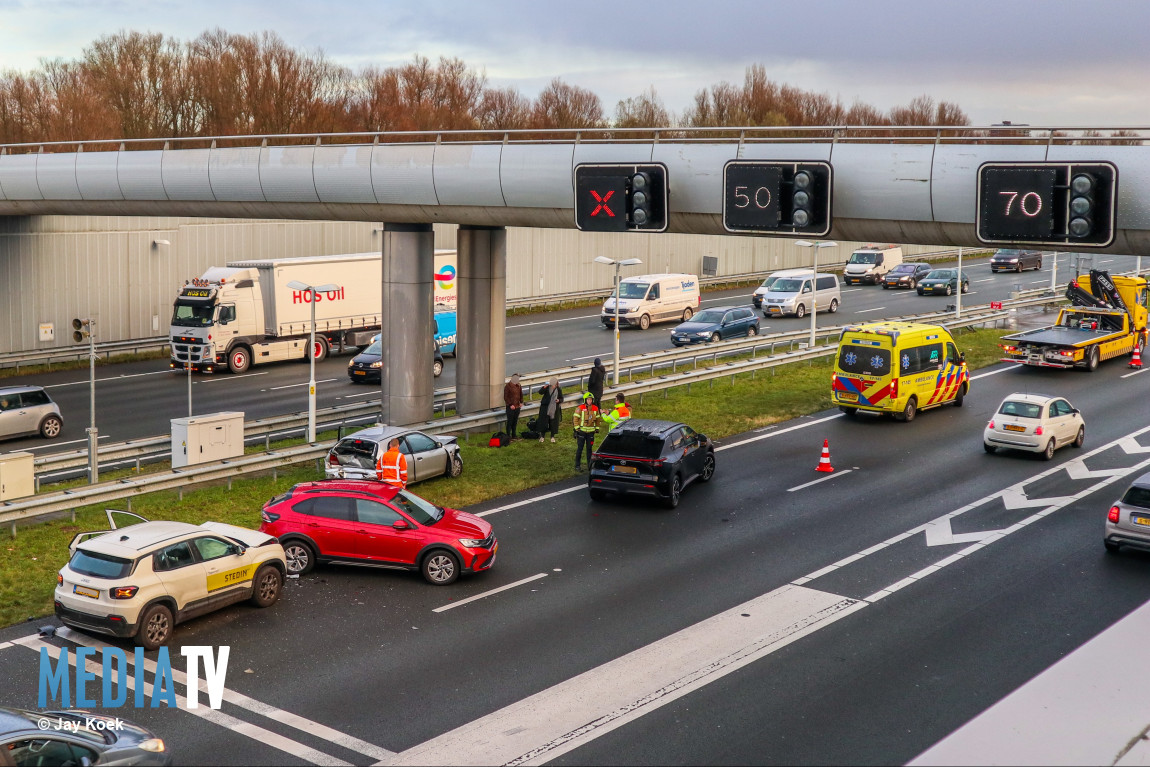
(513,398)
(550,410)
(586,424)
(595,381)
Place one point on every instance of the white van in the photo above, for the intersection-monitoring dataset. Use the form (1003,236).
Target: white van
(794,295)
(870,264)
(762,290)
(653,298)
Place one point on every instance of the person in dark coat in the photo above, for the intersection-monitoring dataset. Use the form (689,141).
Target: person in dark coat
(595,381)
(513,397)
(550,412)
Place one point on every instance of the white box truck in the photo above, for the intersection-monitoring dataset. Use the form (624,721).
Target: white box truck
(245,314)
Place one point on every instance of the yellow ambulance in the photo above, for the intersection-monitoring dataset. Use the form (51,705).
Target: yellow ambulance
(898,368)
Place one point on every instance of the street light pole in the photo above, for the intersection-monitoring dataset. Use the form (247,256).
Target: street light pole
(93,434)
(312,290)
(814,280)
(617,265)
(958,300)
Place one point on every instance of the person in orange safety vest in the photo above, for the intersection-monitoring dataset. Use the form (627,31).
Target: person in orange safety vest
(391,467)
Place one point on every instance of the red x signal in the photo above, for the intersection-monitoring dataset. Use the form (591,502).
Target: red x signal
(602,206)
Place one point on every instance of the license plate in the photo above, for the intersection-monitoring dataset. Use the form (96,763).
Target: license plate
(360,372)
(848,397)
(775,310)
(84,591)
(1143,521)
(624,470)
(1013,427)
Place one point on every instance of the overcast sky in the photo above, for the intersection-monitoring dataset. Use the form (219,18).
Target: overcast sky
(1043,62)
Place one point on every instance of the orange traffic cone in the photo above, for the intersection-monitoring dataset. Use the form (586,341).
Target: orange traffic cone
(825,458)
(1136,360)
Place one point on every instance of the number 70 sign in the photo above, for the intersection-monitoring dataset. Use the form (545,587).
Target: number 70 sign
(1047,202)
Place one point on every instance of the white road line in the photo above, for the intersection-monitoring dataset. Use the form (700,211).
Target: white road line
(780,431)
(297,385)
(1037,282)
(544,726)
(361,394)
(851,290)
(103,380)
(486,594)
(1136,372)
(988,279)
(820,479)
(536,499)
(536,349)
(267,737)
(9,644)
(876,309)
(60,444)
(995,372)
(548,322)
(230,696)
(230,377)
(590,356)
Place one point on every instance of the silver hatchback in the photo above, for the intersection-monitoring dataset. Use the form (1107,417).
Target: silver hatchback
(1128,522)
(428,456)
(27,410)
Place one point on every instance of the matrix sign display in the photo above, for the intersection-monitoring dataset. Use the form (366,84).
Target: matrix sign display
(780,198)
(618,197)
(1041,203)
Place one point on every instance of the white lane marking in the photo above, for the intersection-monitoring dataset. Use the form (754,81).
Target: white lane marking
(1136,372)
(780,431)
(1044,722)
(536,499)
(239,699)
(548,724)
(9,644)
(61,444)
(103,380)
(820,479)
(996,372)
(548,322)
(1037,282)
(988,279)
(536,349)
(876,309)
(486,594)
(259,734)
(728,298)
(230,377)
(850,290)
(361,394)
(296,385)
(590,357)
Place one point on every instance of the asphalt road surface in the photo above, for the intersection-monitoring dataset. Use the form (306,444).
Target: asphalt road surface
(139,400)
(778,616)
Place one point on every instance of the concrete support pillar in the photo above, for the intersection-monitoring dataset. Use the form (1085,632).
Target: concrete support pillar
(406,379)
(482,274)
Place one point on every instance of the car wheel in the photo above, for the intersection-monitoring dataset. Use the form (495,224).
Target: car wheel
(319,351)
(688,313)
(834,307)
(50,427)
(1080,438)
(1018,268)
(911,409)
(715,337)
(645,322)
(949,289)
(708,468)
(920,291)
(800,311)
(752,331)
(239,359)
(912,284)
(850,411)
(1048,453)
(266,586)
(885,286)
(155,627)
(456,467)
(440,567)
(437,368)
(598,495)
(989,447)
(958,397)
(1092,359)
(676,488)
(1111,547)
(300,557)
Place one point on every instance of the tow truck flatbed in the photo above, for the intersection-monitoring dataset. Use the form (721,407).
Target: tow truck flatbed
(1064,336)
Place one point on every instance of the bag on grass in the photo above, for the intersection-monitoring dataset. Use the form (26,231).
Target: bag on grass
(499,439)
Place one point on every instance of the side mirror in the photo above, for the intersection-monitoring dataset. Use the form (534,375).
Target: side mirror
(1076,411)
(399,524)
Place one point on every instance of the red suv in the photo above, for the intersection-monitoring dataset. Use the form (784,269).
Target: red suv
(369,523)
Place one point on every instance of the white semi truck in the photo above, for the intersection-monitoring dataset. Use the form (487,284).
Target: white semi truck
(245,314)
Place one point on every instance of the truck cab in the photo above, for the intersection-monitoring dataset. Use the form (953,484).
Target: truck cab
(211,314)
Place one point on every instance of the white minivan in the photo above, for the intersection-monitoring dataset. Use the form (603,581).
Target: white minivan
(653,298)
(762,290)
(870,264)
(796,295)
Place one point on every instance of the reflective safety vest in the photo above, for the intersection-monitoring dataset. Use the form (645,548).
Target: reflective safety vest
(391,468)
(621,413)
(587,418)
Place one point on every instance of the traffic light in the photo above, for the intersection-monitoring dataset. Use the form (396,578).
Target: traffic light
(777,197)
(82,329)
(1082,188)
(1048,203)
(619,197)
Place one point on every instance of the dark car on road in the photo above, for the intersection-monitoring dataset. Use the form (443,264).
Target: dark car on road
(358,522)
(364,367)
(75,737)
(715,325)
(906,276)
(943,282)
(1012,260)
(652,458)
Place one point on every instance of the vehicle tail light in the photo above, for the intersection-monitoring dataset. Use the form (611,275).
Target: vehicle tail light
(894,389)
(59,579)
(332,460)
(699,300)
(1038,431)
(657,462)
(123,592)
(991,424)
(269,517)
(1113,515)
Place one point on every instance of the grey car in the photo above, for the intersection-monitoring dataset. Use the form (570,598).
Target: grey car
(75,737)
(428,455)
(1128,521)
(28,410)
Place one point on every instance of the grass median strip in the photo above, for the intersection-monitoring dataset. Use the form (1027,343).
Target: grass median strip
(29,561)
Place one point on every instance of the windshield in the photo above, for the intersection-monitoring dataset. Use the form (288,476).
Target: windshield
(99,565)
(1021,409)
(862,258)
(633,289)
(188,315)
(862,360)
(787,285)
(903,269)
(941,274)
(376,348)
(632,445)
(423,512)
(709,315)
(1007,252)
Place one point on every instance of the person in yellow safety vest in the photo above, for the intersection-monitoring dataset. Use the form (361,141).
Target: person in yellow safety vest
(621,413)
(586,427)
(391,468)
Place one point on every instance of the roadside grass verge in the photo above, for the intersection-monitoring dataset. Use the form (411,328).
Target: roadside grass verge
(81,364)
(29,561)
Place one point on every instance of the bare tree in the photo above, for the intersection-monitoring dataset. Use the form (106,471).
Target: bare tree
(504,109)
(643,111)
(567,106)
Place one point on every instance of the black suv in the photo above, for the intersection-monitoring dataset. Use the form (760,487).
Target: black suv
(1012,260)
(654,458)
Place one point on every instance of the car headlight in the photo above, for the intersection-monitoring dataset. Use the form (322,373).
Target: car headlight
(471,543)
(154,745)
(703,333)
(351,363)
(377,364)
